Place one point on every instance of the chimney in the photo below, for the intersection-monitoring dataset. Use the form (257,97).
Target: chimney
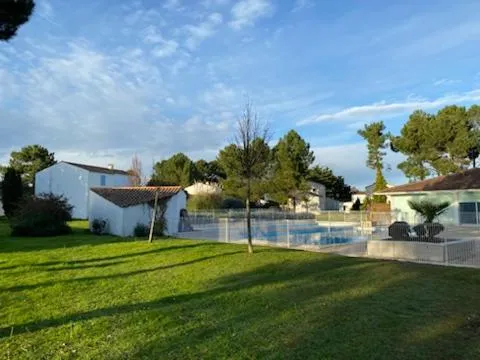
(110,166)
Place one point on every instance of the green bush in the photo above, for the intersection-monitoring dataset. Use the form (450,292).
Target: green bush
(12,189)
(43,215)
(99,226)
(204,202)
(141,230)
(160,227)
(232,203)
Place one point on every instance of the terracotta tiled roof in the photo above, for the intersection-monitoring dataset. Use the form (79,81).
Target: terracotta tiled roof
(97,169)
(466,180)
(131,196)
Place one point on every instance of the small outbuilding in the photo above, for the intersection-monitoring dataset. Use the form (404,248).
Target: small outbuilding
(125,207)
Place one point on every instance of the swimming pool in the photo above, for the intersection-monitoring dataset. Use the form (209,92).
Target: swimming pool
(301,233)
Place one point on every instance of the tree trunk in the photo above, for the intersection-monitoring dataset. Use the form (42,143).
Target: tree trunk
(249,220)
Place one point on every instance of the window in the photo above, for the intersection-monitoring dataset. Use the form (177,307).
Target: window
(103,180)
(468,212)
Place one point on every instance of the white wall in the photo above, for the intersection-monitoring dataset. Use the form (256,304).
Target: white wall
(399,205)
(122,221)
(69,181)
(99,208)
(172,215)
(143,214)
(203,188)
(94,180)
(133,215)
(74,183)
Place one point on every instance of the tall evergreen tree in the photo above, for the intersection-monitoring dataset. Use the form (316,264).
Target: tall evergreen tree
(293,158)
(29,160)
(177,170)
(12,190)
(439,144)
(13,14)
(376,138)
(334,185)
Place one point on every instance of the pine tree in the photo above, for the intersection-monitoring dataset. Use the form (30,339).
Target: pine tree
(12,191)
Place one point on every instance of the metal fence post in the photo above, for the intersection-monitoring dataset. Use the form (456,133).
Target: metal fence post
(288,233)
(445,246)
(227,229)
(361,221)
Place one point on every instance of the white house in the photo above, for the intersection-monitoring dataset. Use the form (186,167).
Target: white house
(125,207)
(74,181)
(313,200)
(360,195)
(461,190)
(201,188)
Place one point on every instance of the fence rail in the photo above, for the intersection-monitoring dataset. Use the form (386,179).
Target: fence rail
(353,234)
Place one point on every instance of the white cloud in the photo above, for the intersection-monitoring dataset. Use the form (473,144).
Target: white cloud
(445,82)
(220,95)
(172,5)
(202,31)
(214,3)
(163,47)
(348,160)
(246,12)
(389,109)
(302,4)
(45,9)
(82,101)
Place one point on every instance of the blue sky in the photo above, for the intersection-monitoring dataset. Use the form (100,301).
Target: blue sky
(100,82)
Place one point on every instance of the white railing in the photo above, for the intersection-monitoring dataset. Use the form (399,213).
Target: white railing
(355,234)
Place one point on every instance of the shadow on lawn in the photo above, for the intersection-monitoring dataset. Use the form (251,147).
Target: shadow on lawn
(330,307)
(73,264)
(115,275)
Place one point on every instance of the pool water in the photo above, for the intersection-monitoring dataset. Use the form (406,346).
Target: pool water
(311,235)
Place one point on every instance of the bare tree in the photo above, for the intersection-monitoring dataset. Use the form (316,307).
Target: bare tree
(247,159)
(135,173)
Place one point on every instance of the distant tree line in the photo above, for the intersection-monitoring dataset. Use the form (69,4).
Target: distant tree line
(288,167)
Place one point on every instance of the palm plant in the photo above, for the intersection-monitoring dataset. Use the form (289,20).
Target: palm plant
(428,209)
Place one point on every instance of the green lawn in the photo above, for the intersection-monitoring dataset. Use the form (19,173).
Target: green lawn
(88,297)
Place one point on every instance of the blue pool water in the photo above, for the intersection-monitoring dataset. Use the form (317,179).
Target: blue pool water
(307,234)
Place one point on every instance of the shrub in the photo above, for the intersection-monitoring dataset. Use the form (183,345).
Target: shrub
(428,210)
(232,203)
(43,215)
(99,226)
(204,202)
(399,230)
(12,189)
(356,205)
(160,227)
(141,230)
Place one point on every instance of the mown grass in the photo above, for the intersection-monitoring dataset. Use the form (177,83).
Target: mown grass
(88,297)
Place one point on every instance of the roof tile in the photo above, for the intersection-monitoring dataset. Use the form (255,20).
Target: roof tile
(466,180)
(97,169)
(131,196)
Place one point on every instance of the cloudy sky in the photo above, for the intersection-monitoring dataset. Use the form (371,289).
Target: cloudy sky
(100,81)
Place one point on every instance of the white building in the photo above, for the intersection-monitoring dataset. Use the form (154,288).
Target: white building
(460,190)
(360,195)
(314,200)
(74,182)
(125,207)
(204,188)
